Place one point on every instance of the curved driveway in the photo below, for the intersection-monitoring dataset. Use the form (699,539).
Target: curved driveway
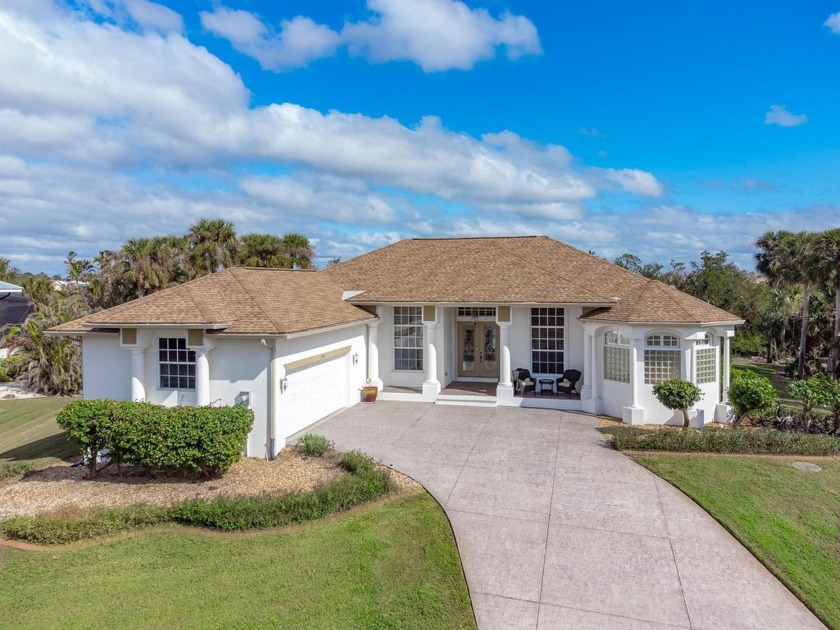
(556,530)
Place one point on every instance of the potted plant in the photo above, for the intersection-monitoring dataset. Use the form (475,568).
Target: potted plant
(369,391)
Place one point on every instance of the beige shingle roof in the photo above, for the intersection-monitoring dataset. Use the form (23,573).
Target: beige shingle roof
(528,269)
(491,270)
(655,302)
(237,301)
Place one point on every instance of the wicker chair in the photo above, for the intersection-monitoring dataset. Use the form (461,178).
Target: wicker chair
(567,383)
(522,382)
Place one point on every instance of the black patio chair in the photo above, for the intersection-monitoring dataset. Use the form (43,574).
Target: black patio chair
(522,382)
(567,383)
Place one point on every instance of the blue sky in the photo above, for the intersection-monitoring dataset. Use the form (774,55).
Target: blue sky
(660,128)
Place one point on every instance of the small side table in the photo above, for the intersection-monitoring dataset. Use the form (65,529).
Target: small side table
(546,385)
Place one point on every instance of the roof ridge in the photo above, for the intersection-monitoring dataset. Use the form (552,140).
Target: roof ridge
(608,300)
(254,300)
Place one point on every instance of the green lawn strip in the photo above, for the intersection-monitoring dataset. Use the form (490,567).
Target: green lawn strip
(789,519)
(780,382)
(388,565)
(29,435)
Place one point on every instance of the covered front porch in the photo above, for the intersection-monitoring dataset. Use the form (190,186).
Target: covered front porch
(465,354)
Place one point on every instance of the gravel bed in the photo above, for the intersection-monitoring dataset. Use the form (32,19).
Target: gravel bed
(64,488)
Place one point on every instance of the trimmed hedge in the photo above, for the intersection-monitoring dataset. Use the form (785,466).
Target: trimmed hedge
(188,440)
(262,512)
(711,440)
(58,529)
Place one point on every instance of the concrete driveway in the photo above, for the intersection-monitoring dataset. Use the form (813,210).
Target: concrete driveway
(556,530)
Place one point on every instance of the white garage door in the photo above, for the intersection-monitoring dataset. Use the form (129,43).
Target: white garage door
(313,392)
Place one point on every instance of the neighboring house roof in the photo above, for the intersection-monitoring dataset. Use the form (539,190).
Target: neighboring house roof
(8,287)
(658,303)
(239,300)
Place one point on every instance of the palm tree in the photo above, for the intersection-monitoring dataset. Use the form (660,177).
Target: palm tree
(213,245)
(299,250)
(770,260)
(803,268)
(148,263)
(828,247)
(263,250)
(7,271)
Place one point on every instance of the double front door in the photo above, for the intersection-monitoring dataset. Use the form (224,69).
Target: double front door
(478,349)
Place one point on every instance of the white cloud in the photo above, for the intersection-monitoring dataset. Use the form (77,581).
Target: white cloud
(833,22)
(635,181)
(435,34)
(96,147)
(439,34)
(779,115)
(154,16)
(299,41)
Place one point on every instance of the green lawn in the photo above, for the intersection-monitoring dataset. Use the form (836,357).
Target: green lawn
(789,519)
(29,434)
(779,380)
(388,565)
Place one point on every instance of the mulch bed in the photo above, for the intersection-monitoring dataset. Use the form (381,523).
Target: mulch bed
(62,487)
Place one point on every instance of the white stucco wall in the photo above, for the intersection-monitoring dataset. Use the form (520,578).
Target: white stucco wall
(106,367)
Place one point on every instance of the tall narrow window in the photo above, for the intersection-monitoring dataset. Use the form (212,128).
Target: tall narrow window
(616,358)
(706,361)
(547,340)
(177,364)
(662,358)
(408,338)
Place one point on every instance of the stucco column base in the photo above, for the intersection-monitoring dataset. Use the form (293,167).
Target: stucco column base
(633,415)
(723,413)
(431,388)
(504,392)
(586,392)
(590,405)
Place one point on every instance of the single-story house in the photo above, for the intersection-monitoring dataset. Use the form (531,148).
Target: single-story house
(413,318)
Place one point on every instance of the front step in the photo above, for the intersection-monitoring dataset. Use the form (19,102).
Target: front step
(466,401)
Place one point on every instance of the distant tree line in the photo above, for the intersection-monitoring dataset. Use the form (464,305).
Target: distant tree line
(142,266)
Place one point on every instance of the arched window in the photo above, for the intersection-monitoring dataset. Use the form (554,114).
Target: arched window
(616,357)
(705,360)
(662,358)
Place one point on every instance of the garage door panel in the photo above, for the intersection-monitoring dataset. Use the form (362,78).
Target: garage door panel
(314,392)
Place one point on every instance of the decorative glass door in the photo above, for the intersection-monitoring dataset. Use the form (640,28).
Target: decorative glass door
(478,349)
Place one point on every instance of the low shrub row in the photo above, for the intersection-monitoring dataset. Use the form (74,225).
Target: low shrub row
(712,440)
(260,512)
(13,469)
(225,514)
(58,529)
(188,440)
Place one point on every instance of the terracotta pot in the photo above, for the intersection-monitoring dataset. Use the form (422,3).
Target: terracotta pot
(369,393)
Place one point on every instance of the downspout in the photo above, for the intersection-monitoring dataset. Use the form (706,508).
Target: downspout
(273,399)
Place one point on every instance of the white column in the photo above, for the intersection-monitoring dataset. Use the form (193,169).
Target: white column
(634,414)
(373,353)
(504,390)
(276,374)
(202,377)
(138,389)
(726,369)
(431,386)
(588,376)
(594,370)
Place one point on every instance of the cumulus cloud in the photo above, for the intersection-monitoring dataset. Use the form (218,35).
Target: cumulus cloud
(635,181)
(439,34)
(779,115)
(96,148)
(435,34)
(833,22)
(298,42)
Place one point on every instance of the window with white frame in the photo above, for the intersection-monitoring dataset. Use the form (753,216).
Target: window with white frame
(616,358)
(547,340)
(662,358)
(177,363)
(408,338)
(476,311)
(706,360)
